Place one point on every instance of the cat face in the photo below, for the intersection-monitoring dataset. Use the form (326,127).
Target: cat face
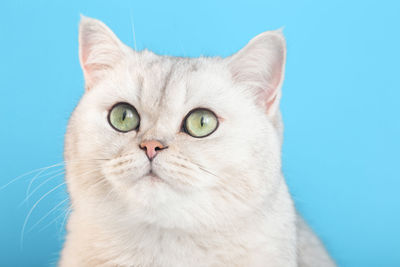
(193,177)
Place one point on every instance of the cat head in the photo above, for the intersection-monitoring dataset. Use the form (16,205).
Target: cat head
(175,142)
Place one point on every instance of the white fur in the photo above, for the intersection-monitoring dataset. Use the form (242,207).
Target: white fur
(221,200)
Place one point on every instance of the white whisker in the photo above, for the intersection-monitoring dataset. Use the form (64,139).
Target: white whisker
(51,222)
(65,218)
(48,213)
(38,176)
(40,185)
(133,30)
(27,173)
(45,168)
(33,208)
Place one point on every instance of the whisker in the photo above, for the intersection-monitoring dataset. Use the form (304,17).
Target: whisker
(27,173)
(99,182)
(48,167)
(188,164)
(67,213)
(48,213)
(133,30)
(238,195)
(52,177)
(257,210)
(33,179)
(51,222)
(40,185)
(106,197)
(38,176)
(33,208)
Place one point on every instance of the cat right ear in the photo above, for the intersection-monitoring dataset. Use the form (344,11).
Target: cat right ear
(99,50)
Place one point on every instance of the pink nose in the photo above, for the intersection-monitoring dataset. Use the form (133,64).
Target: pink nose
(152,147)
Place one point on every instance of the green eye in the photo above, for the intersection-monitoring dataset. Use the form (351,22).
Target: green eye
(123,117)
(200,123)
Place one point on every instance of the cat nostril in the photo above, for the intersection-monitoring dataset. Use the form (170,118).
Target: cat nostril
(152,147)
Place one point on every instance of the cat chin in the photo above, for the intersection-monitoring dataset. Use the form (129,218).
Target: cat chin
(151,184)
(150,178)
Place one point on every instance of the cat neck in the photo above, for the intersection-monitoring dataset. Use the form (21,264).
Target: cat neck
(142,244)
(149,245)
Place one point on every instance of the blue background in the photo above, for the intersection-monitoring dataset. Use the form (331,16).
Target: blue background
(340,107)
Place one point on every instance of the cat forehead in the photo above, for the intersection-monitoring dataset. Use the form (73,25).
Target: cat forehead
(168,83)
(159,78)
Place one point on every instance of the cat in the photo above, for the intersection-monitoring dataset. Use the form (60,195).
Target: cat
(176,161)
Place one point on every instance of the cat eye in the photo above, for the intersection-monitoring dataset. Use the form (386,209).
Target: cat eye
(200,122)
(123,117)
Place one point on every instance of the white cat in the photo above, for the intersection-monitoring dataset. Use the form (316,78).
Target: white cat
(177,161)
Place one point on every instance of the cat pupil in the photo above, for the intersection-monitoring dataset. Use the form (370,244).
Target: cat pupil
(124,115)
(202,121)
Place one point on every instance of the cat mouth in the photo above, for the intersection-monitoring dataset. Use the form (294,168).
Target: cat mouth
(152,177)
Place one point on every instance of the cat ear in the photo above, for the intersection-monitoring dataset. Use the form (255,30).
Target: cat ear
(99,50)
(261,66)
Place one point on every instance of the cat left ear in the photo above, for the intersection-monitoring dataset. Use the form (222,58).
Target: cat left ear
(261,66)
(99,50)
